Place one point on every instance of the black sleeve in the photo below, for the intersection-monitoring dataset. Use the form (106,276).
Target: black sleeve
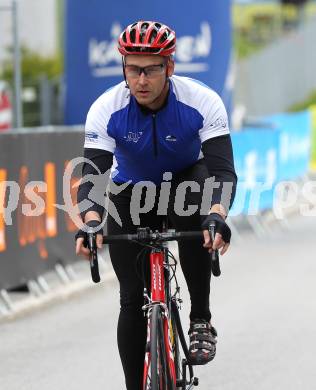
(218,155)
(103,161)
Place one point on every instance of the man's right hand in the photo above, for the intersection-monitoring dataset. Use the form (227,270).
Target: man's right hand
(82,241)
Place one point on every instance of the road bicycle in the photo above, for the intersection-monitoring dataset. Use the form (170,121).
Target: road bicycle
(164,366)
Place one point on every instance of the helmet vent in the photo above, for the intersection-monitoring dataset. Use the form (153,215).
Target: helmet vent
(153,36)
(163,38)
(133,35)
(144,27)
(170,45)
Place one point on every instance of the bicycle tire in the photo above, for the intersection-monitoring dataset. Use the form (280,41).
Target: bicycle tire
(159,369)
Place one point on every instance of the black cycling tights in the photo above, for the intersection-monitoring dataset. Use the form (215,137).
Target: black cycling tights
(195,263)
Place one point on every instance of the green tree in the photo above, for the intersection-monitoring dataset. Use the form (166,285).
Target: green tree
(33,65)
(35,68)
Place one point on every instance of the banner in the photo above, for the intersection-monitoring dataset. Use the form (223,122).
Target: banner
(295,143)
(93,63)
(34,233)
(256,164)
(266,156)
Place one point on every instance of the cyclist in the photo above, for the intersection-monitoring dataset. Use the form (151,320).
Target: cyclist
(154,122)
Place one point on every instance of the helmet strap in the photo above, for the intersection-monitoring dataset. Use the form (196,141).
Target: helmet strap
(123,66)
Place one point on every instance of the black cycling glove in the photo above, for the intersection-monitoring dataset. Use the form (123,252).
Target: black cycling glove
(82,233)
(220,226)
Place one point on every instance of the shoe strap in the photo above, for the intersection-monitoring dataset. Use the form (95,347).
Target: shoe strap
(202,337)
(207,346)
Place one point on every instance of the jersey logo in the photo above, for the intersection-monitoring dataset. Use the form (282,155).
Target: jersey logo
(220,122)
(133,136)
(171,138)
(91,136)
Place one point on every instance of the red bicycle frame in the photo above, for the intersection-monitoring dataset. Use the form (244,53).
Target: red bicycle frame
(161,303)
(158,296)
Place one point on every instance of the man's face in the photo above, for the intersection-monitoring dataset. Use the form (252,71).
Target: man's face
(147,89)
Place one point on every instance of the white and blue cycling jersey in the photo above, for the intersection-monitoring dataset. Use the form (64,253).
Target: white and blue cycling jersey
(147,144)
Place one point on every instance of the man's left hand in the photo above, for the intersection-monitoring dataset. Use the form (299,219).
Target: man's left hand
(222,236)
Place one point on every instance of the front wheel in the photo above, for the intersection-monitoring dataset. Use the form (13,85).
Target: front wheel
(157,374)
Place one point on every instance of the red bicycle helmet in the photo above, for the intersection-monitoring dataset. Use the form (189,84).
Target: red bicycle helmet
(146,37)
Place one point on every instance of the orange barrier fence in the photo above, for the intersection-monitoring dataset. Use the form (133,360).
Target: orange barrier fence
(34,233)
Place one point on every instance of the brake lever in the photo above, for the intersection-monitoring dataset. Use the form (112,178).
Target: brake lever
(93,258)
(215,266)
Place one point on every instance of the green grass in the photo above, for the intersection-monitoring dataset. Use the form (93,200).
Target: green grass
(311,100)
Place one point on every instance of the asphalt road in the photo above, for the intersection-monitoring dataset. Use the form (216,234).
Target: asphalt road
(263,307)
